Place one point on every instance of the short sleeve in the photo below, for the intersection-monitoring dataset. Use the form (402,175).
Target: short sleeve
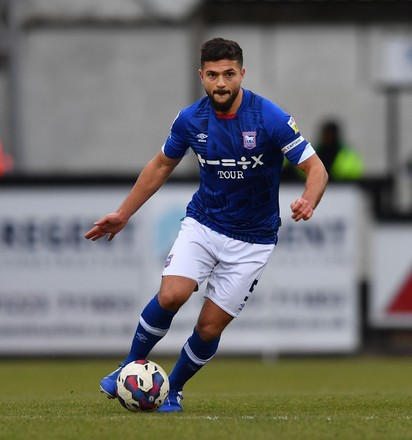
(176,145)
(291,141)
(285,134)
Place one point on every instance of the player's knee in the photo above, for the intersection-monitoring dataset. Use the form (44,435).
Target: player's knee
(171,301)
(208,331)
(173,295)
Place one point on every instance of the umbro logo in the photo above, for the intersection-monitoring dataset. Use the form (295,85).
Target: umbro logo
(141,337)
(201,137)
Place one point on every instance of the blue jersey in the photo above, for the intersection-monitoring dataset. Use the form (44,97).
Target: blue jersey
(240,159)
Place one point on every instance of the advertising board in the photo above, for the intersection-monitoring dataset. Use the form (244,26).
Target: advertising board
(61,294)
(391,280)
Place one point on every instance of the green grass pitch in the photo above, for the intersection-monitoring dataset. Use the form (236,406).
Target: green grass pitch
(344,398)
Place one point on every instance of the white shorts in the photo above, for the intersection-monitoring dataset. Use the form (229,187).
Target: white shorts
(233,267)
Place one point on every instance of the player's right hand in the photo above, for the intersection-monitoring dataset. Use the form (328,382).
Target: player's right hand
(109,224)
(301,209)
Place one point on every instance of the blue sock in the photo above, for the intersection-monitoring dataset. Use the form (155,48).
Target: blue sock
(195,353)
(153,325)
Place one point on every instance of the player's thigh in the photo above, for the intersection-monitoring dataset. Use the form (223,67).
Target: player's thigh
(191,255)
(233,281)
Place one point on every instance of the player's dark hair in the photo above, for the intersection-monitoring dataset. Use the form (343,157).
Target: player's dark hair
(220,49)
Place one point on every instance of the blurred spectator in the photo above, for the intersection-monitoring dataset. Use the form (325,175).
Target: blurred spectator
(341,161)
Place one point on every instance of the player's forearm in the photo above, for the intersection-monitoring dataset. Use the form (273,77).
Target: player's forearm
(316,180)
(152,177)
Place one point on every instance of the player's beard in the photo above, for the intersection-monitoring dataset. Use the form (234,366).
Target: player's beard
(223,107)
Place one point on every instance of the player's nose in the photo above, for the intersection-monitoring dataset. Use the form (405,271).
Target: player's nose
(221,82)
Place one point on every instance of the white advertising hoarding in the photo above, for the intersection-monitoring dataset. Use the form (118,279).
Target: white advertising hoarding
(62,294)
(58,293)
(391,280)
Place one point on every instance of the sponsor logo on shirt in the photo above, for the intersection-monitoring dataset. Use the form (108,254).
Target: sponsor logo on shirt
(242,163)
(292,125)
(249,139)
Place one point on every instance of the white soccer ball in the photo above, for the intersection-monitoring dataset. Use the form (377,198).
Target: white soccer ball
(142,385)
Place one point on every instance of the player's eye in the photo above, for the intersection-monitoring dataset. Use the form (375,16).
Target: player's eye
(211,75)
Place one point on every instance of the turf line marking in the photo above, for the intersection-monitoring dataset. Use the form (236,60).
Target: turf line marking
(188,417)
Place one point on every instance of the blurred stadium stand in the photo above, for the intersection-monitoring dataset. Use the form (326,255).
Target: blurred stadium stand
(309,11)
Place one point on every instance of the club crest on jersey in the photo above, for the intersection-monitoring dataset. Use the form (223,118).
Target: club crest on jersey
(249,139)
(168,260)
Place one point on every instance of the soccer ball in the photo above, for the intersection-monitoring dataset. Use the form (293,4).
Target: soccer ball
(142,385)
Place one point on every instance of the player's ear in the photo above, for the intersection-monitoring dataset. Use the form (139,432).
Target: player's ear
(242,72)
(201,74)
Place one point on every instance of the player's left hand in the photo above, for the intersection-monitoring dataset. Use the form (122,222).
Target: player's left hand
(301,209)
